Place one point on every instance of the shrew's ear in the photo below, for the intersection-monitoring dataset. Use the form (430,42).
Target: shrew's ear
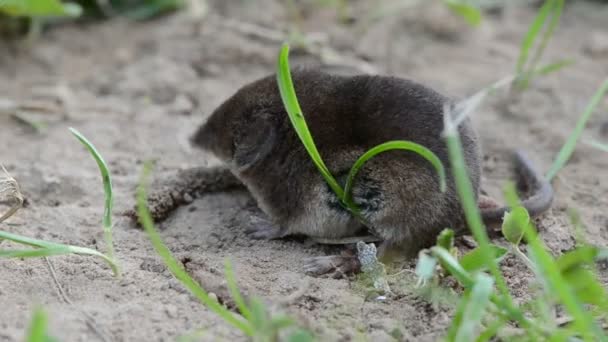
(255,141)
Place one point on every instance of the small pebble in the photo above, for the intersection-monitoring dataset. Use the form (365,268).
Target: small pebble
(597,45)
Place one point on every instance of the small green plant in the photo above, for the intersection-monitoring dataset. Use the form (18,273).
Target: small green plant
(255,322)
(290,101)
(568,281)
(45,248)
(548,15)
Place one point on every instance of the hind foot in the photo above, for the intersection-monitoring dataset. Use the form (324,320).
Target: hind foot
(338,265)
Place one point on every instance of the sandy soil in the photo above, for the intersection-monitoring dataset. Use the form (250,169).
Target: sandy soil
(137,90)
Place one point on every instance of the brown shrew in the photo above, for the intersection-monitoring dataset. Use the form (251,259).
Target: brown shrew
(397,192)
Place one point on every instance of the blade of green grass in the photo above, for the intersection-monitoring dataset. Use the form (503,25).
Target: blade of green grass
(476,304)
(177,271)
(473,218)
(598,145)
(556,12)
(389,146)
(532,34)
(290,101)
(470,14)
(38,326)
(54,248)
(235,293)
(553,67)
(566,151)
(107,188)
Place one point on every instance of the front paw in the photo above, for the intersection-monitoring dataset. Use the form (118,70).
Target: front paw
(261,229)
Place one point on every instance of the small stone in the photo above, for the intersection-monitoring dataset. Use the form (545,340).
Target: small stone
(213,296)
(171,311)
(188,198)
(597,45)
(182,105)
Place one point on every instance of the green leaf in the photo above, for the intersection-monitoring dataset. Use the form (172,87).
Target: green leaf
(586,287)
(514,223)
(388,146)
(476,304)
(449,263)
(566,151)
(579,257)
(469,13)
(446,239)
(39,8)
(301,336)
(473,260)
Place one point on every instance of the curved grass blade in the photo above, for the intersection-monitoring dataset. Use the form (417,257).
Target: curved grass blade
(107,188)
(566,151)
(172,264)
(290,101)
(51,248)
(389,146)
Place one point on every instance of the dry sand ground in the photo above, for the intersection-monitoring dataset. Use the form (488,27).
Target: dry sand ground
(137,90)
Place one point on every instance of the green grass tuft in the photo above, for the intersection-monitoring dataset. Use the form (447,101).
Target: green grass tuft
(526,67)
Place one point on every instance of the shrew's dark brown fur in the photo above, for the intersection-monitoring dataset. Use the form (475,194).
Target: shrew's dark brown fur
(397,191)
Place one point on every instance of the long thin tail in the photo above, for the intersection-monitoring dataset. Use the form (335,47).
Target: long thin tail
(529,178)
(185,186)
